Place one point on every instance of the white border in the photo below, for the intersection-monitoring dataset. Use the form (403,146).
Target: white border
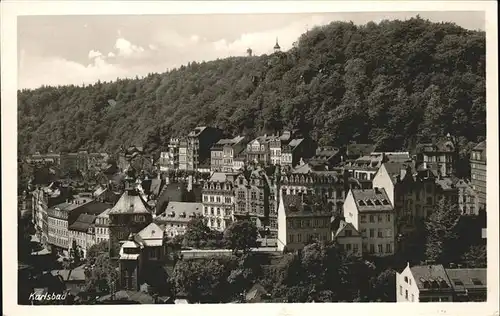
(11,9)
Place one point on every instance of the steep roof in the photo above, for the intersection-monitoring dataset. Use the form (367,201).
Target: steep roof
(467,279)
(180,212)
(83,222)
(152,235)
(343,225)
(425,276)
(371,200)
(218,177)
(130,203)
(481,146)
(295,206)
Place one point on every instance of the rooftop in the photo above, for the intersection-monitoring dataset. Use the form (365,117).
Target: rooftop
(152,235)
(462,279)
(180,212)
(296,206)
(357,150)
(371,200)
(83,222)
(481,146)
(130,203)
(430,277)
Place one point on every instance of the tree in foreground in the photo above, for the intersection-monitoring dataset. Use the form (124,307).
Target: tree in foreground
(101,275)
(241,235)
(441,233)
(196,232)
(475,257)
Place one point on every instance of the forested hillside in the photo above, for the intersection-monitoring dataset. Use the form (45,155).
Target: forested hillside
(393,83)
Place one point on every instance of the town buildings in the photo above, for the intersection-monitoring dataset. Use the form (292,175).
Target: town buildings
(371,214)
(300,220)
(348,238)
(194,150)
(478,172)
(259,151)
(173,221)
(223,153)
(102,226)
(169,160)
(82,233)
(435,283)
(439,157)
(128,216)
(326,158)
(219,200)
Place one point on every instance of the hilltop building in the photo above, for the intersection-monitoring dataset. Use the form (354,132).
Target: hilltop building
(219,200)
(439,157)
(194,150)
(223,153)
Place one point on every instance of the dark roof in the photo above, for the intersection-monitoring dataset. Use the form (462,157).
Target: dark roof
(371,200)
(83,222)
(426,274)
(445,144)
(130,202)
(357,150)
(481,146)
(180,212)
(297,206)
(462,279)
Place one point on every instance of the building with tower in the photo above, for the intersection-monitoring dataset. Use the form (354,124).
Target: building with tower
(277,47)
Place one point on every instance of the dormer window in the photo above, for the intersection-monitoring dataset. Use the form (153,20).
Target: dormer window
(377,202)
(476,281)
(385,202)
(172,214)
(369,202)
(362,203)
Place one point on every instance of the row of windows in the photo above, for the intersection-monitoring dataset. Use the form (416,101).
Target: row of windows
(378,249)
(57,222)
(354,248)
(308,223)
(299,238)
(376,218)
(100,239)
(380,233)
(102,230)
(102,221)
(60,232)
(214,211)
(478,177)
(216,199)
(406,293)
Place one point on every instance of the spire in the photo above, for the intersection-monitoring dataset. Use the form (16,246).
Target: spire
(277,47)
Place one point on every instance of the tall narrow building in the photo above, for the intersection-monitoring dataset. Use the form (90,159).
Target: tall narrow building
(478,172)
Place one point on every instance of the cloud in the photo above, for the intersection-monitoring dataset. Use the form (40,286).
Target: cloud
(94,54)
(126,48)
(111,55)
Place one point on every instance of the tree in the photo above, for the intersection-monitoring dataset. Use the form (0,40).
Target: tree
(97,249)
(101,275)
(241,235)
(441,233)
(196,232)
(384,286)
(475,257)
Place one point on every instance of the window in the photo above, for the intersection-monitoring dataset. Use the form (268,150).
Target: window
(212,211)
(406,279)
(228,200)
(363,218)
(363,232)
(380,248)
(400,290)
(372,219)
(241,195)
(388,249)
(372,248)
(218,199)
(380,233)
(254,195)
(413,297)
(205,198)
(348,233)
(355,248)
(372,232)
(290,238)
(458,282)
(299,237)
(429,201)
(211,199)
(476,281)
(406,294)
(379,218)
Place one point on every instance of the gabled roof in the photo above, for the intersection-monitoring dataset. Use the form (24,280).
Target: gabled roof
(295,206)
(374,200)
(481,146)
(426,275)
(83,222)
(467,279)
(130,203)
(343,225)
(152,235)
(180,212)
(218,177)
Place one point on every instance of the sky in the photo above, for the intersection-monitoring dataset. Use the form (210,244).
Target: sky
(59,50)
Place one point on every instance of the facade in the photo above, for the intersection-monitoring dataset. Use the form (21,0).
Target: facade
(348,238)
(239,162)
(223,153)
(176,216)
(259,150)
(102,227)
(439,157)
(128,216)
(142,252)
(218,201)
(252,198)
(194,150)
(169,160)
(82,233)
(468,200)
(371,214)
(300,221)
(326,158)
(478,172)
(434,283)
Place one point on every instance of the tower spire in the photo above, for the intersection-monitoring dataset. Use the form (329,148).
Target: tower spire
(277,47)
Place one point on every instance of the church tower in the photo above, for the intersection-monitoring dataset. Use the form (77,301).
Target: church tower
(277,47)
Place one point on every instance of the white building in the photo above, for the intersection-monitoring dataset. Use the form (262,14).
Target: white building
(371,213)
(176,216)
(83,233)
(102,226)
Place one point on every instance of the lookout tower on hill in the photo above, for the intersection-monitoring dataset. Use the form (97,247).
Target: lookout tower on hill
(277,47)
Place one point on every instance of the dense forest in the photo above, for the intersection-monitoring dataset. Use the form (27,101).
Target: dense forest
(394,84)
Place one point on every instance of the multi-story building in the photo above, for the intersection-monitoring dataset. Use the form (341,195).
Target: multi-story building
(326,158)
(327,184)
(371,213)
(82,233)
(49,158)
(102,226)
(176,216)
(275,148)
(259,151)
(224,151)
(478,172)
(348,238)
(141,254)
(439,157)
(355,151)
(62,216)
(128,216)
(252,198)
(301,221)
(195,148)
(434,283)
(218,201)
(239,161)
(468,200)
